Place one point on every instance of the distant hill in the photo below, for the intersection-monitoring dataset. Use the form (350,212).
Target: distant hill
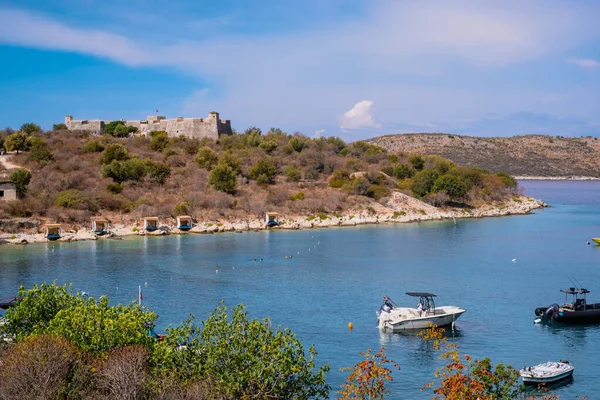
(529,155)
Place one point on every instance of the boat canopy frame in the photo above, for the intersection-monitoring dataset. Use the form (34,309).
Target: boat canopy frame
(576,292)
(426,301)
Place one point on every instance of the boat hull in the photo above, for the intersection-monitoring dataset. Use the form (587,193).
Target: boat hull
(395,323)
(573,317)
(596,240)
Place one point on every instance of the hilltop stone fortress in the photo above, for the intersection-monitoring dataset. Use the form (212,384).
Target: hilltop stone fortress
(211,127)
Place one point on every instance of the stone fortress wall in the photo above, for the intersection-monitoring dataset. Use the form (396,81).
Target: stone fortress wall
(211,127)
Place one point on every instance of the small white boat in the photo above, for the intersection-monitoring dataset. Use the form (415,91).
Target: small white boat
(547,372)
(393,318)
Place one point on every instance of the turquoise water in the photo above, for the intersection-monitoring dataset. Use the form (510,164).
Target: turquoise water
(338,275)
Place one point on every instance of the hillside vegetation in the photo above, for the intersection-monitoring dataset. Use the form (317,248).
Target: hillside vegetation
(529,155)
(69,176)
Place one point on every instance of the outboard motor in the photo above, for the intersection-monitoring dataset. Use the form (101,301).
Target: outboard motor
(551,312)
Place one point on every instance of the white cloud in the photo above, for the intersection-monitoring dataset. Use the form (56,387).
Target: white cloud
(319,133)
(584,62)
(359,116)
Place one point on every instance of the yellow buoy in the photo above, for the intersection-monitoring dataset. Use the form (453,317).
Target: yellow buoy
(350,326)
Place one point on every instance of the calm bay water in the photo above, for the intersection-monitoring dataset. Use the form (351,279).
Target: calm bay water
(338,275)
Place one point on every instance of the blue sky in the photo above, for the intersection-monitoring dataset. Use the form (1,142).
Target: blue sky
(348,68)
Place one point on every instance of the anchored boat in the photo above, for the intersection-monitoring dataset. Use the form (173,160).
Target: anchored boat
(578,311)
(393,318)
(547,372)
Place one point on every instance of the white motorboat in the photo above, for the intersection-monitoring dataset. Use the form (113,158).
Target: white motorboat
(547,372)
(393,318)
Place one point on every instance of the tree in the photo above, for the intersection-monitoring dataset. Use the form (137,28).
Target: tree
(112,152)
(17,141)
(59,127)
(29,127)
(224,178)
(403,171)
(368,377)
(39,151)
(454,186)
(244,356)
(115,170)
(423,182)
(263,171)
(21,178)
(206,158)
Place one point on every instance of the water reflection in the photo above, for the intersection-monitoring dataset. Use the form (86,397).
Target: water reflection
(571,335)
(541,391)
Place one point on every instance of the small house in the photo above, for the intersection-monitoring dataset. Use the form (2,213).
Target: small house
(52,231)
(8,190)
(99,226)
(184,222)
(150,224)
(272,219)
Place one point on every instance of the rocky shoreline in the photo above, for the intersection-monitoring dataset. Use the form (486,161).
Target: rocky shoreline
(399,209)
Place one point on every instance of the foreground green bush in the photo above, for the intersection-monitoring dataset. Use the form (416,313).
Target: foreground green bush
(246,357)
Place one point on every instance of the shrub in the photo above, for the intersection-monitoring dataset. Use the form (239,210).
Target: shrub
(181,208)
(368,377)
(39,367)
(417,161)
(292,174)
(39,151)
(402,171)
(508,180)
(206,158)
(268,146)
(97,327)
(114,151)
(71,198)
(16,208)
(370,210)
(159,140)
(21,178)
(160,173)
(114,188)
(298,143)
(123,374)
(223,178)
(360,186)
(297,196)
(37,307)
(59,127)
(191,146)
(263,171)
(377,191)
(246,357)
(227,158)
(93,146)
